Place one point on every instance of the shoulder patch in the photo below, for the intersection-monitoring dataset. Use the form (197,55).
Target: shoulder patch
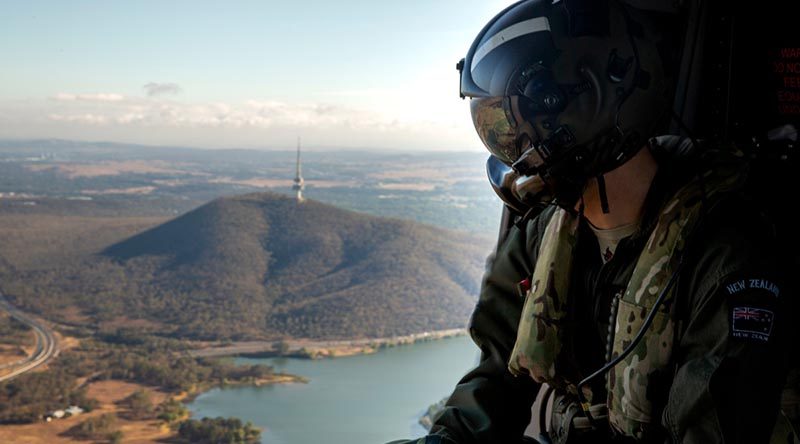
(752,302)
(751,323)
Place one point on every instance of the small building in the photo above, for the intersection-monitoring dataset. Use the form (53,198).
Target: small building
(74,410)
(58,414)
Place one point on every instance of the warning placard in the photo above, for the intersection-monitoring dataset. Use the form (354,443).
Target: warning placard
(786,69)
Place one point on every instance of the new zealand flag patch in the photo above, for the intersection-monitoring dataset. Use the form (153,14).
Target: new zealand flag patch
(751,323)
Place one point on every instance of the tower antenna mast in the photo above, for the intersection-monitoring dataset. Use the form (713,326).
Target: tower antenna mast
(299,183)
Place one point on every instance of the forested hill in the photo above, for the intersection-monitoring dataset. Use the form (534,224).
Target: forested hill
(264,266)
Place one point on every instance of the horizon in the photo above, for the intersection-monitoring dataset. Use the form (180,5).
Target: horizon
(249,74)
(274,149)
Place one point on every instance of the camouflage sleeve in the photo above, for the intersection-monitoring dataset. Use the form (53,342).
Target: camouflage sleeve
(489,404)
(730,357)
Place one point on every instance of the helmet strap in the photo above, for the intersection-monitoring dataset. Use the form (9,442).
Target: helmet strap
(601,187)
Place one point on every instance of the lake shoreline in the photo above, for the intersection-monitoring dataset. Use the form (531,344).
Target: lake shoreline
(51,432)
(275,379)
(318,349)
(110,393)
(368,398)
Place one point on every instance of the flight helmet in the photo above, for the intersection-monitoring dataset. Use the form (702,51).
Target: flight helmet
(564,91)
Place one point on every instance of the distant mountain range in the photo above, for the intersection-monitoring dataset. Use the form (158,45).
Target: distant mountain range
(262,266)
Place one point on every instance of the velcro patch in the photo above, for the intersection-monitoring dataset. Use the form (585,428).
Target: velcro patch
(751,323)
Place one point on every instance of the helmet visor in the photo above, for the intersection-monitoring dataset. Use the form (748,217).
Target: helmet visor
(496,126)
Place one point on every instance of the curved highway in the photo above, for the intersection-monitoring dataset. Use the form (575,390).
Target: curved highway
(45,343)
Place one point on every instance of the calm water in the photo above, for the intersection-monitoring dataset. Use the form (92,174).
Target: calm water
(357,400)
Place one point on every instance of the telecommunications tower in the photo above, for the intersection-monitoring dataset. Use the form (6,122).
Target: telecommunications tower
(299,184)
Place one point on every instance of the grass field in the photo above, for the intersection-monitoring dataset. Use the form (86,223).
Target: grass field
(108,393)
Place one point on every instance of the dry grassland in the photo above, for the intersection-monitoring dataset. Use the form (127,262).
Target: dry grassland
(108,393)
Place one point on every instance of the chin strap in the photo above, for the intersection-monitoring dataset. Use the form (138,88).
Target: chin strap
(601,185)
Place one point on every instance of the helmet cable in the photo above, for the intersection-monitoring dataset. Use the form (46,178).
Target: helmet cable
(639,336)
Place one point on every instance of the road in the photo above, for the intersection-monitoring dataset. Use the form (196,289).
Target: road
(45,342)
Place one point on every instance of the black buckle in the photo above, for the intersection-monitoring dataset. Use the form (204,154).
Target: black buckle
(460,67)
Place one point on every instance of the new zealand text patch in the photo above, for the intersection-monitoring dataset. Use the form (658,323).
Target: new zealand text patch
(740,285)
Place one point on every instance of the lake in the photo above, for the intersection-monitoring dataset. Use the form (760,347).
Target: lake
(369,399)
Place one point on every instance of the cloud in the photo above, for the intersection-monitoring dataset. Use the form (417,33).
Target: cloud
(100,97)
(256,123)
(368,92)
(90,119)
(154,89)
(100,109)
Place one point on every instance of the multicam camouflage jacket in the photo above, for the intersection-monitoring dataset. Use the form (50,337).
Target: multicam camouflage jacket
(544,326)
(727,364)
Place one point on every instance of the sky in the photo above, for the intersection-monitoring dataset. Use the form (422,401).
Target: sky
(240,74)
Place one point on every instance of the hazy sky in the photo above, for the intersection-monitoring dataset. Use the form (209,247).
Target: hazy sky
(345,73)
